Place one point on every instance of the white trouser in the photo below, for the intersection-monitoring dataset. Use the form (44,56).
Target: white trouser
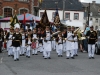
(75,51)
(46,54)
(57,48)
(22,50)
(59,52)
(10,51)
(91,49)
(28,51)
(64,46)
(69,53)
(53,45)
(34,51)
(16,52)
(40,48)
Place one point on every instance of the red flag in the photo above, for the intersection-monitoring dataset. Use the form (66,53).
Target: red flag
(24,20)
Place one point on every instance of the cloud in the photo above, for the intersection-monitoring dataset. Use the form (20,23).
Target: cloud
(97,1)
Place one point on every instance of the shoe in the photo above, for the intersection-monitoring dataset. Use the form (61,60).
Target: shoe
(45,58)
(14,60)
(32,54)
(17,59)
(36,54)
(8,55)
(28,56)
(89,57)
(49,58)
(93,58)
(58,55)
(76,55)
(61,56)
(23,55)
(72,57)
(67,58)
(20,55)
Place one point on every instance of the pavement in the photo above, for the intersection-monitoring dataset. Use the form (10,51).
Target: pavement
(36,65)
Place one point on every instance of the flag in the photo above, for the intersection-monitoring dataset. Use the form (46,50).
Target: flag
(57,19)
(24,21)
(44,20)
(14,20)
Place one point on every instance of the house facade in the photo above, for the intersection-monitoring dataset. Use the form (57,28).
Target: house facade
(68,10)
(94,16)
(8,7)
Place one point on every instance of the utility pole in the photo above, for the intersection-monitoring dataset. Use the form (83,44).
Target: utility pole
(88,13)
(63,8)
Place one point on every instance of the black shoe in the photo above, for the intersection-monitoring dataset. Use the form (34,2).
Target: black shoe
(14,60)
(61,56)
(49,58)
(23,55)
(45,58)
(72,57)
(58,55)
(93,58)
(17,59)
(8,55)
(20,55)
(36,54)
(67,58)
(76,55)
(32,54)
(28,56)
(89,57)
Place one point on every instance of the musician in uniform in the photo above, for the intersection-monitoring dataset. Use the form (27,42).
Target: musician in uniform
(47,43)
(1,40)
(35,38)
(69,43)
(9,39)
(22,51)
(64,35)
(28,46)
(60,44)
(40,40)
(17,39)
(92,37)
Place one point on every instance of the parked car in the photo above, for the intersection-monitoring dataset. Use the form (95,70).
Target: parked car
(97,45)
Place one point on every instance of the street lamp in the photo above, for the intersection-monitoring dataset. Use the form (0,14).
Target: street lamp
(63,8)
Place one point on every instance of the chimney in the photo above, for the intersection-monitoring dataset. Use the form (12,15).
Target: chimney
(93,2)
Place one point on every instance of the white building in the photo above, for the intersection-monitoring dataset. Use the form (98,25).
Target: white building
(73,10)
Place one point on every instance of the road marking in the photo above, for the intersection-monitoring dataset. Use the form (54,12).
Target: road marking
(1,60)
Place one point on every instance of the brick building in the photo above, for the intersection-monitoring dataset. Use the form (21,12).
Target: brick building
(8,7)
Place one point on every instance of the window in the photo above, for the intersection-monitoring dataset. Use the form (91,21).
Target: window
(53,15)
(7,12)
(24,0)
(67,16)
(96,27)
(8,0)
(96,20)
(23,10)
(76,16)
(41,13)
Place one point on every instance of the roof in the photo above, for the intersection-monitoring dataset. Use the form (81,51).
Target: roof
(69,5)
(93,8)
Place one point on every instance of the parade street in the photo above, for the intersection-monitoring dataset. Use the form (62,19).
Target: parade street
(36,65)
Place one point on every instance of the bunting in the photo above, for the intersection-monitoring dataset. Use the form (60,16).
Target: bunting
(57,19)
(14,21)
(44,20)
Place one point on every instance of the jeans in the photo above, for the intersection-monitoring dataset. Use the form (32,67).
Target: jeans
(85,44)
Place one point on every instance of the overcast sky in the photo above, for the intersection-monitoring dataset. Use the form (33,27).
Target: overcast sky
(97,1)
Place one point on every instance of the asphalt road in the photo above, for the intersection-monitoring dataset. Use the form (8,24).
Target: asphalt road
(36,65)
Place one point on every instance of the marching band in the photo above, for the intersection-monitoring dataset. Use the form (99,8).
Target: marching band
(25,43)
